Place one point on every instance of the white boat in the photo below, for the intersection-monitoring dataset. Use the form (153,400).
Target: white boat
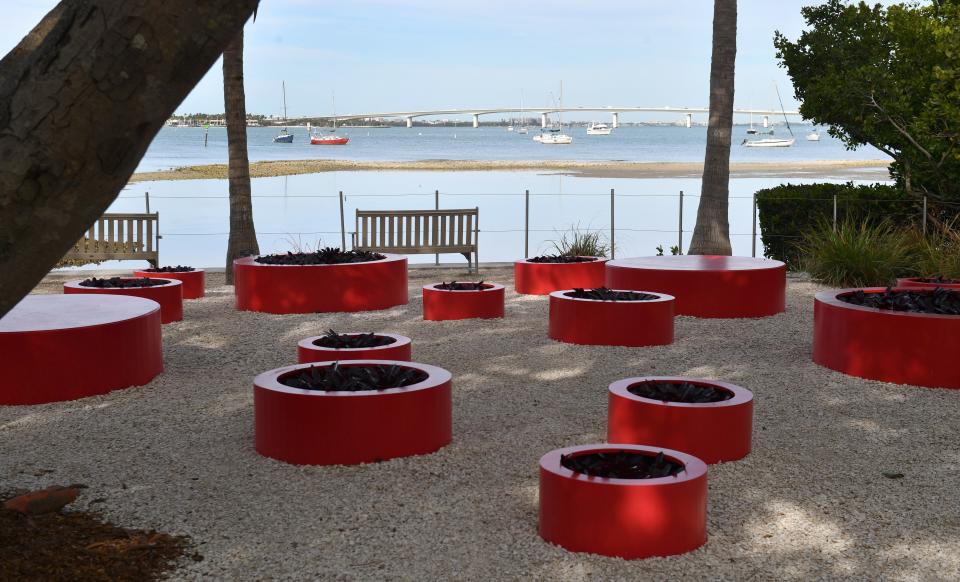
(522,130)
(813,136)
(510,127)
(769,142)
(285,136)
(556,136)
(599,129)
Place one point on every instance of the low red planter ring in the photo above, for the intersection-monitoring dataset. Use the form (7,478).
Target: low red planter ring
(707,286)
(320,288)
(890,346)
(169,296)
(311,427)
(626,518)
(440,304)
(100,343)
(611,323)
(399,350)
(545,278)
(713,432)
(193,281)
(916,283)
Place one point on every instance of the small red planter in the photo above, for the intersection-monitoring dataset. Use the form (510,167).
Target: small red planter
(626,518)
(713,432)
(399,350)
(545,278)
(320,288)
(918,283)
(193,281)
(891,346)
(707,286)
(441,304)
(168,295)
(312,427)
(611,323)
(64,347)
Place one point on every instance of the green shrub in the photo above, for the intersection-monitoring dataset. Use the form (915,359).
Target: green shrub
(581,243)
(859,254)
(791,211)
(938,253)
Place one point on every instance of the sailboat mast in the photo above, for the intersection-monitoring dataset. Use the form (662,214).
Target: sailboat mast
(283,87)
(782,110)
(561,106)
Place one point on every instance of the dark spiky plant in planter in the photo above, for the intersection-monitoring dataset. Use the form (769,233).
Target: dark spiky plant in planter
(324,256)
(940,301)
(687,392)
(332,339)
(353,378)
(170,269)
(622,465)
(122,283)
(562,259)
(462,286)
(604,294)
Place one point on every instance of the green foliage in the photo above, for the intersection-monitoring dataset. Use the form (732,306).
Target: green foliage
(938,254)
(788,212)
(885,76)
(578,242)
(859,254)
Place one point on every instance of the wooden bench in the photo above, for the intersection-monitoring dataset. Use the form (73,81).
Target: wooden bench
(419,232)
(119,237)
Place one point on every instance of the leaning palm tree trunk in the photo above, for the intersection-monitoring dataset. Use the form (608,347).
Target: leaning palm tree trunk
(711,235)
(243,236)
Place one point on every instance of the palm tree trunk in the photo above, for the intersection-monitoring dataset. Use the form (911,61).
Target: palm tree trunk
(711,235)
(243,237)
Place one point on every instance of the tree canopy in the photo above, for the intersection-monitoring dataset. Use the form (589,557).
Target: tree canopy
(888,77)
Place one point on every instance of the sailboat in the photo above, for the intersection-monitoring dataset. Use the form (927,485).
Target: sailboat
(333,138)
(814,135)
(523,122)
(773,142)
(284,136)
(556,136)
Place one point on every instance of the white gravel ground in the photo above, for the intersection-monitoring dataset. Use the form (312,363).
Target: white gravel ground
(811,501)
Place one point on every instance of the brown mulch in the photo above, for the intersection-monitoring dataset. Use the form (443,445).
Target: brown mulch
(80,546)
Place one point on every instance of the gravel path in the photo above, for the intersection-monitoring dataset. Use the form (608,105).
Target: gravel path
(811,501)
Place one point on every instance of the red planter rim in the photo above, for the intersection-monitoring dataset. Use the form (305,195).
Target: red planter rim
(435,377)
(252,261)
(832,298)
(169,283)
(594,260)
(398,340)
(661,297)
(740,395)
(487,287)
(692,466)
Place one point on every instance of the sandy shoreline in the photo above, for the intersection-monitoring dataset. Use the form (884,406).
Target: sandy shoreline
(847,169)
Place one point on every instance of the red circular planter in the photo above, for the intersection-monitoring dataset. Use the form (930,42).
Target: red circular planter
(713,432)
(441,304)
(193,281)
(626,518)
(312,427)
(890,346)
(707,286)
(545,278)
(399,350)
(611,323)
(64,347)
(168,295)
(916,283)
(320,288)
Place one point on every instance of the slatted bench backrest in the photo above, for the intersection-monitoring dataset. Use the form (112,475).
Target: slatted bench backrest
(417,231)
(120,237)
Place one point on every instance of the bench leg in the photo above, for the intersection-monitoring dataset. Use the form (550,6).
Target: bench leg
(470,265)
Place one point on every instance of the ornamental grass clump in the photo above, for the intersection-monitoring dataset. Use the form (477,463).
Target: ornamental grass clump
(938,253)
(335,340)
(577,242)
(353,378)
(122,283)
(939,301)
(685,392)
(325,256)
(622,465)
(604,294)
(858,254)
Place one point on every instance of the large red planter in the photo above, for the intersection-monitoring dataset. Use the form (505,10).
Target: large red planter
(320,288)
(707,286)
(545,278)
(890,346)
(309,427)
(308,351)
(626,518)
(441,304)
(611,323)
(918,283)
(168,295)
(193,281)
(713,432)
(64,347)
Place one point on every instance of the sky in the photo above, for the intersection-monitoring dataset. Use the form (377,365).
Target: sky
(396,55)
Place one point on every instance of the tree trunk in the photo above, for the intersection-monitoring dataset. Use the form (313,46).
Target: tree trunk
(711,235)
(243,237)
(81,98)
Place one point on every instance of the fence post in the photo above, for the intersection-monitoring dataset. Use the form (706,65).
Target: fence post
(436,206)
(680,227)
(753,246)
(526,225)
(834,213)
(924,215)
(343,229)
(146,196)
(613,227)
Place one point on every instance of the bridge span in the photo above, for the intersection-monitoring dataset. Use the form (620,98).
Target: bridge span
(615,112)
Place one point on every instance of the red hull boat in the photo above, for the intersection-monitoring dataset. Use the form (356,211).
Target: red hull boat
(328,140)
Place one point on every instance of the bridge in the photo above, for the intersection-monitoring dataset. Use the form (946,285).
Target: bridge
(615,112)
